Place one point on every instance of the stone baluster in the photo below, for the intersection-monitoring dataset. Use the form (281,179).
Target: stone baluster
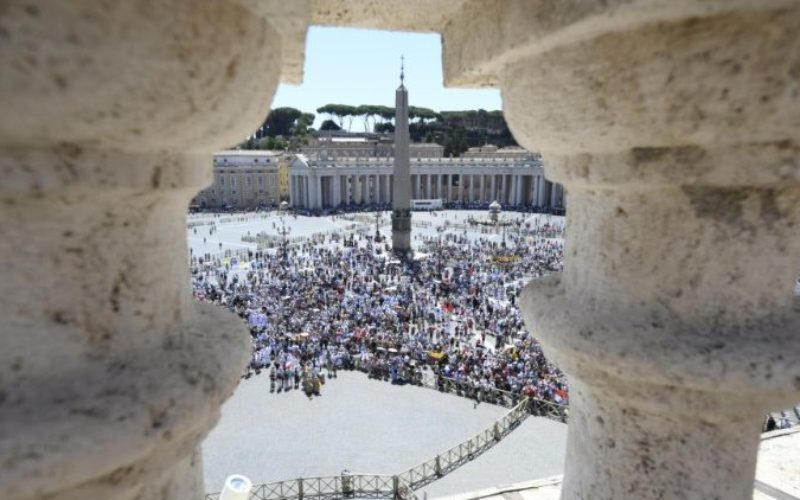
(111,373)
(675,133)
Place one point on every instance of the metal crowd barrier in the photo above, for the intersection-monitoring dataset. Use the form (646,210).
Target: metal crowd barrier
(400,486)
(333,487)
(537,407)
(446,462)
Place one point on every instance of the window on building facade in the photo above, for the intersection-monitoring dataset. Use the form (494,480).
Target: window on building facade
(221,180)
(260,180)
(233,181)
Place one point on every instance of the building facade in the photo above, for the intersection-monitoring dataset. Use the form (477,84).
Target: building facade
(246,179)
(365,145)
(283,177)
(492,151)
(327,183)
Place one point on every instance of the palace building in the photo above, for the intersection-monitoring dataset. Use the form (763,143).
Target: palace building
(329,177)
(326,182)
(363,145)
(246,179)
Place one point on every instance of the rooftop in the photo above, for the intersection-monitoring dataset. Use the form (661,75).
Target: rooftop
(248,152)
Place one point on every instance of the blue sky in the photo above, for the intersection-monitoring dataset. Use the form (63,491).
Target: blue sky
(351,66)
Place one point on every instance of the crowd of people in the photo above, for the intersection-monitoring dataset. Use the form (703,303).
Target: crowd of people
(450,205)
(346,303)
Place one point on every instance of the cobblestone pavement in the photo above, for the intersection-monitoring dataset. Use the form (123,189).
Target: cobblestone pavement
(230,233)
(368,426)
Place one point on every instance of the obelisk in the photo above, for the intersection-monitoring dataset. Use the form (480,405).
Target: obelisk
(401,189)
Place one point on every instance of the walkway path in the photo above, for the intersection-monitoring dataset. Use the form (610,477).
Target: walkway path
(368,426)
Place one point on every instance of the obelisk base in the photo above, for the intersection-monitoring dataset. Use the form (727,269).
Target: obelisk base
(401,233)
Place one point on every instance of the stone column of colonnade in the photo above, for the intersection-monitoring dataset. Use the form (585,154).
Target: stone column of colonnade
(674,129)
(541,195)
(387,193)
(299,185)
(111,373)
(364,188)
(317,191)
(336,187)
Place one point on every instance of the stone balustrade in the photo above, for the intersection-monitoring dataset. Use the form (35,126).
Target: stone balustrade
(672,124)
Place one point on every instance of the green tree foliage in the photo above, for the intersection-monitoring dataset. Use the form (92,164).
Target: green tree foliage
(459,130)
(384,128)
(284,122)
(302,124)
(272,143)
(280,121)
(340,112)
(421,114)
(329,125)
(455,130)
(385,112)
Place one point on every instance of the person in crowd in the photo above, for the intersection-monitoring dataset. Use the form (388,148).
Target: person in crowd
(338,302)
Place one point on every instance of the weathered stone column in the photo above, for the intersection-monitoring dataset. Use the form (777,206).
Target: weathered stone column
(336,182)
(541,196)
(317,180)
(674,318)
(111,374)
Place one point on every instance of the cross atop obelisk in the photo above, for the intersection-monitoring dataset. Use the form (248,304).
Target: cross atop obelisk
(401,188)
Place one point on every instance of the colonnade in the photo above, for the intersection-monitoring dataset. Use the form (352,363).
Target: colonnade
(317,191)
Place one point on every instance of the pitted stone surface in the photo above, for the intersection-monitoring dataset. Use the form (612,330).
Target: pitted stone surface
(675,314)
(110,374)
